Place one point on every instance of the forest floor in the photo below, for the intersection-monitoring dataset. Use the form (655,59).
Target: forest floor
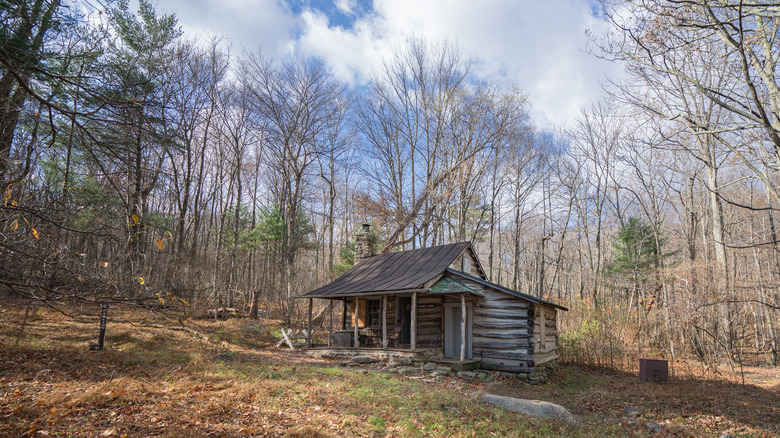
(152,381)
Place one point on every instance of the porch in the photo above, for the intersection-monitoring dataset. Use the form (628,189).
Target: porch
(421,355)
(378,353)
(414,322)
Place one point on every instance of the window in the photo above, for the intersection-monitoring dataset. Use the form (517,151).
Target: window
(373,309)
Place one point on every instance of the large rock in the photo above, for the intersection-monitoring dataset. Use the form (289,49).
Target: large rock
(654,427)
(405,371)
(364,359)
(632,412)
(533,408)
(398,361)
(468,375)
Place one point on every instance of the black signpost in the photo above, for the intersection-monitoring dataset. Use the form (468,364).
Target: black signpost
(103,313)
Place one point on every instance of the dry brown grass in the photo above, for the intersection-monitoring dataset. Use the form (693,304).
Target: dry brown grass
(168,383)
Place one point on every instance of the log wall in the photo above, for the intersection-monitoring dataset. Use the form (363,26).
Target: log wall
(473,267)
(545,334)
(429,321)
(502,331)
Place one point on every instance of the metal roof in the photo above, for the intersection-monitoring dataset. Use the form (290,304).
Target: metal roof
(449,285)
(393,272)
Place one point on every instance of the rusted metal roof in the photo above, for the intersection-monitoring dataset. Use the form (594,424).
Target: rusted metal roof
(393,272)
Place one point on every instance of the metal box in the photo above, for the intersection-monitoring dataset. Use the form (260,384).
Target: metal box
(342,338)
(653,370)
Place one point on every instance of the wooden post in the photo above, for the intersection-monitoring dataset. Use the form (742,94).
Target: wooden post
(330,324)
(308,333)
(462,327)
(344,316)
(413,340)
(384,321)
(355,322)
(542,324)
(103,319)
(442,331)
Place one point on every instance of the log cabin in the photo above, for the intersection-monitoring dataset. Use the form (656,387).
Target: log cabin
(439,301)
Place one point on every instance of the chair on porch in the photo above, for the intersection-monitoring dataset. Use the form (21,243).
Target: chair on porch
(374,337)
(395,334)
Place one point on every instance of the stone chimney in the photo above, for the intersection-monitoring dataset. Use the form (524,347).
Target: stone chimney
(365,243)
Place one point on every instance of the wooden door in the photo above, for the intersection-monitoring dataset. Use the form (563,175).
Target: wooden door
(452,321)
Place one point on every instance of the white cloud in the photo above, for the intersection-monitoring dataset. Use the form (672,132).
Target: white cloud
(249,24)
(534,45)
(346,6)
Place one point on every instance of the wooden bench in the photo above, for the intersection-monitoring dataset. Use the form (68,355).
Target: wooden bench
(294,338)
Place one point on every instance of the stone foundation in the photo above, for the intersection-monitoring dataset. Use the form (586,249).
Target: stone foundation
(541,373)
(419,356)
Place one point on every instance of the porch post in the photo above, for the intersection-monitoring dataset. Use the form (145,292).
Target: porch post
(462,327)
(308,332)
(330,325)
(384,321)
(413,340)
(344,315)
(442,326)
(355,323)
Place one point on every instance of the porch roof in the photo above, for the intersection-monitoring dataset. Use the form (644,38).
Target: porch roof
(449,285)
(396,272)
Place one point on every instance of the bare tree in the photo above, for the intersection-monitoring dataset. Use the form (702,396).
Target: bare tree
(294,100)
(595,140)
(424,120)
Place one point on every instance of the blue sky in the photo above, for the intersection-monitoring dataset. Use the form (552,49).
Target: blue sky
(342,14)
(536,45)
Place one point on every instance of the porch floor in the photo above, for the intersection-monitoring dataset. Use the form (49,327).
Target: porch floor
(384,354)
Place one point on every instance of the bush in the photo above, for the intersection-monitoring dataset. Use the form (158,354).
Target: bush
(596,344)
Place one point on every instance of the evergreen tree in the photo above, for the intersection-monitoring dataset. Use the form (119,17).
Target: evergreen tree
(637,255)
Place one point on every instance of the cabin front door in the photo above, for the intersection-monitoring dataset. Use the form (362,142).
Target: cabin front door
(452,320)
(404,320)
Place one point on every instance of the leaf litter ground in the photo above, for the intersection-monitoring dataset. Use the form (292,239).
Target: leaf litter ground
(152,381)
